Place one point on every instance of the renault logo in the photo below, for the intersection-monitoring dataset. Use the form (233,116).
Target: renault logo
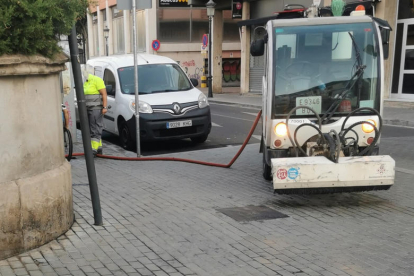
(177,108)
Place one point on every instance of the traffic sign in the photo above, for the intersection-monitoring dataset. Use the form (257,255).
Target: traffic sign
(237,9)
(203,49)
(156,45)
(205,40)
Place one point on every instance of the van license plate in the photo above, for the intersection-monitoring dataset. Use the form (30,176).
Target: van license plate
(187,123)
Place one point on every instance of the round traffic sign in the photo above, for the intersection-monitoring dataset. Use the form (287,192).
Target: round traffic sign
(205,40)
(156,45)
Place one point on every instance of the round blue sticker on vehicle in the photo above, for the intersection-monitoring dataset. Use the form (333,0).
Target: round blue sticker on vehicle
(293,173)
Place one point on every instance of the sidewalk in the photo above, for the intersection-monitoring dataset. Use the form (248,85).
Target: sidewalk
(168,218)
(401,115)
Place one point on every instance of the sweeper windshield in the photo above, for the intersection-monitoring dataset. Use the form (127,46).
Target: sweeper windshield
(321,65)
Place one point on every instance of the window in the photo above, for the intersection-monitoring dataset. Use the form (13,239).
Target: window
(95,40)
(230,28)
(231,32)
(318,62)
(199,24)
(190,24)
(174,25)
(286,43)
(341,46)
(119,40)
(406,9)
(154,78)
(141,32)
(109,79)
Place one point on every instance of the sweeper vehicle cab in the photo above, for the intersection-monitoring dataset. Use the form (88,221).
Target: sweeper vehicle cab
(322,104)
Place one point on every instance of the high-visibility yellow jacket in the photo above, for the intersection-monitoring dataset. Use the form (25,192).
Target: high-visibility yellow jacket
(91,89)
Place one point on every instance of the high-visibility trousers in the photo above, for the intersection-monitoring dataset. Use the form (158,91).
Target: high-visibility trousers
(95,117)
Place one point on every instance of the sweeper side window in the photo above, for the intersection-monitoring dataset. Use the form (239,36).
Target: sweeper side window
(315,64)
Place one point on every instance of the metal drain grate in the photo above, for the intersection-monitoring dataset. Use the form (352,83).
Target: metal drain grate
(252,213)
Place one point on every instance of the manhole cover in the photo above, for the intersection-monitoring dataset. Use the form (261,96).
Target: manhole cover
(251,213)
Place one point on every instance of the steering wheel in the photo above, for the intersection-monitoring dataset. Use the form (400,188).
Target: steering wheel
(300,69)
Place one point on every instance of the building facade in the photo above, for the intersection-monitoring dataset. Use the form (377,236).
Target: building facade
(179,27)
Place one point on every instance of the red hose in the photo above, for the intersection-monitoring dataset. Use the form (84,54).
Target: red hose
(183,159)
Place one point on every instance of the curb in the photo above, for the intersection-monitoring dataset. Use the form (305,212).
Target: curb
(235,104)
(396,122)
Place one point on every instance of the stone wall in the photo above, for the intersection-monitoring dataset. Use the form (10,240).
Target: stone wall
(35,178)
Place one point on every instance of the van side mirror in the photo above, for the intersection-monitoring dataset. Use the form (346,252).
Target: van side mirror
(257,48)
(194,82)
(385,37)
(110,90)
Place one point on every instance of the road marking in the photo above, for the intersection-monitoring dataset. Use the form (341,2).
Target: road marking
(258,137)
(215,125)
(404,170)
(250,113)
(233,118)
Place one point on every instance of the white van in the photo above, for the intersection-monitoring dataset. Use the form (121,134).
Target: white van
(169,104)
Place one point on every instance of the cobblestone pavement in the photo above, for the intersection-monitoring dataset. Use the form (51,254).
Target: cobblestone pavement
(162,218)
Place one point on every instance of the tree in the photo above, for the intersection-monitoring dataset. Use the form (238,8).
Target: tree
(34,26)
(82,32)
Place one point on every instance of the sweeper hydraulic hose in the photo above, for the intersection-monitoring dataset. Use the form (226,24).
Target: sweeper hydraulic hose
(183,159)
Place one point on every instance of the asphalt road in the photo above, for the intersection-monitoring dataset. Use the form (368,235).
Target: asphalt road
(231,125)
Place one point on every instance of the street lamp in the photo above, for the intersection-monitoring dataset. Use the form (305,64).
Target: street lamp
(106,34)
(210,13)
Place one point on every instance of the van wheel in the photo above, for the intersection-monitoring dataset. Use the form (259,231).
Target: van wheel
(125,138)
(199,139)
(267,170)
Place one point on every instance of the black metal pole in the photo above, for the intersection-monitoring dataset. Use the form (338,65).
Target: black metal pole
(83,47)
(107,51)
(210,86)
(90,165)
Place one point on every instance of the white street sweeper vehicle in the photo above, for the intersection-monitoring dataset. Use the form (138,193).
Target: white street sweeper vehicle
(322,104)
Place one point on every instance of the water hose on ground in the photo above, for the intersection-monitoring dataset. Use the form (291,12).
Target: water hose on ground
(184,159)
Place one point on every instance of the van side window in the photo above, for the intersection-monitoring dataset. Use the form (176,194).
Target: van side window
(109,80)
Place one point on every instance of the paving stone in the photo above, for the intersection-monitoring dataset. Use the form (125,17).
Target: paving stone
(103,271)
(20,271)
(112,266)
(96,264)
(144,271)
(16,264)
(6,271)
(26,260)
(50,274)
(161,218)
(128,269)
(36,273)
(87,269)
(62,271)
(31,267)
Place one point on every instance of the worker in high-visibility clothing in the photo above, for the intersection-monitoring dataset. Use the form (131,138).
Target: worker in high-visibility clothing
(96,104)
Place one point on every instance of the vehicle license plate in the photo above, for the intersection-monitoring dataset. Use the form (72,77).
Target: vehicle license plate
(177,124)
(314,102)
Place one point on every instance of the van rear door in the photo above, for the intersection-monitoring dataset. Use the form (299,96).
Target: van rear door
(99,71)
